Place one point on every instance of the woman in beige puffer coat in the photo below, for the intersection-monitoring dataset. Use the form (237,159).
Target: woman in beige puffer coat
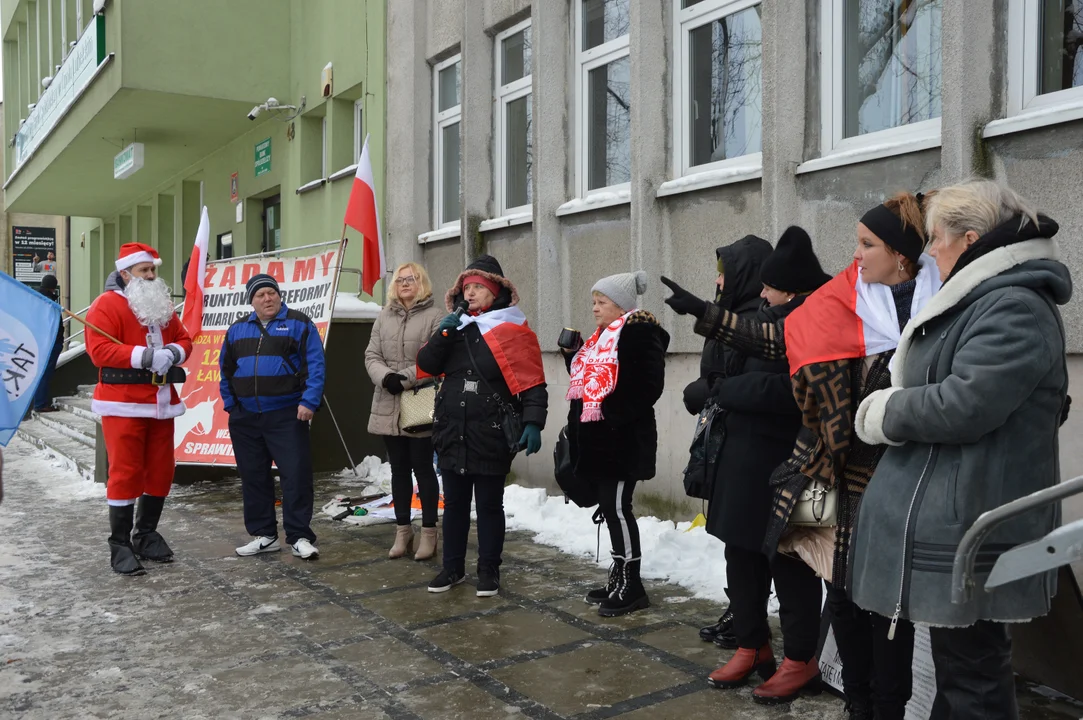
(407,321)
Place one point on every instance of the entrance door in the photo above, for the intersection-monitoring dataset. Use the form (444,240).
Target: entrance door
(225,246)
(272,223)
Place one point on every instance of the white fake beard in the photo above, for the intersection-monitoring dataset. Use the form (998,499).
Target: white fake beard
(150,301)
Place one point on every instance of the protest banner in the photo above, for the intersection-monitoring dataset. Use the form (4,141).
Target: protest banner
(308,284)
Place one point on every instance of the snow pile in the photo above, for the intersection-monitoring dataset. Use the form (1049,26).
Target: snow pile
(351,307)
(63,483)
(372,474)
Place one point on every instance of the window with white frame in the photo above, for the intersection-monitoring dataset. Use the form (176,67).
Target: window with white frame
(358,131)
(514,146)
(718,103)
(881,71)
(447,87)
(1045,52)
(603,137)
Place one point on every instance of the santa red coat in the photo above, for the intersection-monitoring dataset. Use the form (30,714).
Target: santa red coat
(110,313)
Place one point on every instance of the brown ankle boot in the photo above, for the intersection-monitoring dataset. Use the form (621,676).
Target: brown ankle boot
(404,541)
(426,547)
(792,679)
(744,662)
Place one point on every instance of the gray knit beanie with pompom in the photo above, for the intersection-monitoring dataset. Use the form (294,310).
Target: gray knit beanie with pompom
(623,288)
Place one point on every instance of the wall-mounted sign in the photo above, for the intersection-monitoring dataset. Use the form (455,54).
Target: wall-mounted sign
(74,75)
(33,251)
(233,192)
(128,161)
(263,157)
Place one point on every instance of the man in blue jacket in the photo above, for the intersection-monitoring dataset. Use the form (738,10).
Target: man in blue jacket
(272,383)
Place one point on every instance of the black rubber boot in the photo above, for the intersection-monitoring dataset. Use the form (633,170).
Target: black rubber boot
(630,594)
(121,555)
(594,597)
(146,542)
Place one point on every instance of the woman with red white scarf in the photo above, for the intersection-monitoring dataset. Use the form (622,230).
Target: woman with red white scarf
(616,378)
(492,367)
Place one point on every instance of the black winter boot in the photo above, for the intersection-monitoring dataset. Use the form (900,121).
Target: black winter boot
(146,542)
(121,555)
(629,595)
(859,708)
(596,596)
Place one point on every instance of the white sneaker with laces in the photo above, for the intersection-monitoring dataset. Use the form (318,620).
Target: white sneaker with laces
(305,550)
(259,545)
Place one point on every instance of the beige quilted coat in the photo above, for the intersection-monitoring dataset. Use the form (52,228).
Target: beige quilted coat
(396,337)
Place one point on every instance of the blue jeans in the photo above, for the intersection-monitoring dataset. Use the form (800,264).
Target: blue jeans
(41,397)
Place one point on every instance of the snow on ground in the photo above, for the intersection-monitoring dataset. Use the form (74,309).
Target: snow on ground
(65,483)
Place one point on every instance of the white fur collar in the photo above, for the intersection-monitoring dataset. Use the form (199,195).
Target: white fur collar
(974,274)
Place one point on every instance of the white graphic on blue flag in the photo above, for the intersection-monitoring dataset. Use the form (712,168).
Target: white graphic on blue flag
(28,325)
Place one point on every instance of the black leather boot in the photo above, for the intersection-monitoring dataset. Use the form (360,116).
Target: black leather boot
(121,555)
(146,542)
(595,597)
(630,594)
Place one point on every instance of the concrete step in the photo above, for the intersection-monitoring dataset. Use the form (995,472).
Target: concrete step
(77,405)
(85,391)
(75,454)
(77,428)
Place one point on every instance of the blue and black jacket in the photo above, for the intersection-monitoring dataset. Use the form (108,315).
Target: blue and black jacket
(266,369)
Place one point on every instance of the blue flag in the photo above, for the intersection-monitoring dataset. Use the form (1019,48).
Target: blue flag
(28,324)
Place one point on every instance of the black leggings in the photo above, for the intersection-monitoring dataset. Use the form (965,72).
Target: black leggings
(406,454)
(615,502)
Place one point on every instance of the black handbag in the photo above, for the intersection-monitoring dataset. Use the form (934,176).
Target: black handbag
(584,494)
(704,452)
(511,422)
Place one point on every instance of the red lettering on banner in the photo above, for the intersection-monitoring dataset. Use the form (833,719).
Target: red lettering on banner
(326,259)
(249,270)
(211,272)
(229,276)
(304,270)
(276,270)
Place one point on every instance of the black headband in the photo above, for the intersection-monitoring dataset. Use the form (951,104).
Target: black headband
(899,236)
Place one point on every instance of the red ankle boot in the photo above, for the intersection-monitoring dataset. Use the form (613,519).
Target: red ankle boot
(744,662)
(792,679)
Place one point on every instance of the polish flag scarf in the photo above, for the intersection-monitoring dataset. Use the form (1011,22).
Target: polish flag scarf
(850,318)
(594,370)
(513,344)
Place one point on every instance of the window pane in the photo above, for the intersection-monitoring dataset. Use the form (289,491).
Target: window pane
(604,20)
(891,63)
(449,87)
(1061,45)
(689,3)
(725,74)
(516,59)
(518,146)
(449,173)
(609,149)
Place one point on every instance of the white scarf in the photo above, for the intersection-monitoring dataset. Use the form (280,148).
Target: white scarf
(594,370)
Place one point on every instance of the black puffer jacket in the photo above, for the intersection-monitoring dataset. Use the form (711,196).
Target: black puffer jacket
(467,435)
(624,445)
(761,424)
(740,293)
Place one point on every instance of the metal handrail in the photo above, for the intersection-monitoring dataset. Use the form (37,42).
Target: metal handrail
(962,572)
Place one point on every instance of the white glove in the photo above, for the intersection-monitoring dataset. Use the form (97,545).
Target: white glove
(162,361)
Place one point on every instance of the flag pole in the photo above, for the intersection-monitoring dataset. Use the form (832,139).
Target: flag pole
(98,330)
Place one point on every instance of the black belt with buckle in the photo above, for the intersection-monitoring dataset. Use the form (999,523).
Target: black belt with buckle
(131,376)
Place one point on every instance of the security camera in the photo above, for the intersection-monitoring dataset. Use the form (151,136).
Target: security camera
(272,102)
(254,113)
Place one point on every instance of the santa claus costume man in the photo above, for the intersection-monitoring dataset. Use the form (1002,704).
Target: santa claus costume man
(136,401)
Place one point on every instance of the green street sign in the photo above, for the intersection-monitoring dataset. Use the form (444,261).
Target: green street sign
(263,157)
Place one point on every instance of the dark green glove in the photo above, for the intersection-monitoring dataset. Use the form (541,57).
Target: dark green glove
(684,302)
(531,439)
(449,323)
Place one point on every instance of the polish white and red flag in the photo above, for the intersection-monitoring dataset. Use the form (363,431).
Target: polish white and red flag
(192,316)
(513,344)
(364,217)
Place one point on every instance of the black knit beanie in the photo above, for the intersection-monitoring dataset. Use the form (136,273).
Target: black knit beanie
(793,266)
(486,263)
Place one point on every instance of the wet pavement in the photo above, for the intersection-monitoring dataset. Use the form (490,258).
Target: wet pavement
(352,635)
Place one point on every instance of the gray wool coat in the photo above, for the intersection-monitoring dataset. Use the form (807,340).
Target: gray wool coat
(978,385)
(396,337)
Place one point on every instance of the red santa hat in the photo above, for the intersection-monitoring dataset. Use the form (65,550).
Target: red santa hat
(134,253)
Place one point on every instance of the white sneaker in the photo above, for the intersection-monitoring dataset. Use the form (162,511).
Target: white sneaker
(259,545)
(305,550)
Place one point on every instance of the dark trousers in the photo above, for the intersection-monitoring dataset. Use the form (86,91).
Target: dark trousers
(748,574)
(615,502)
(259,438)
(488,492)
(974,676)
(413,455)
(873,668)
(800,599)
(41,397)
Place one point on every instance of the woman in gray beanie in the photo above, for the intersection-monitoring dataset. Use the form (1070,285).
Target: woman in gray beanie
(616,378)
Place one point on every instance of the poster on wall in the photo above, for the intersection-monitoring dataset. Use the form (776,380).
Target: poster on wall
(33,253)
(308,284)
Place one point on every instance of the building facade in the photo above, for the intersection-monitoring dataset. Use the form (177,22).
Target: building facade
(130,116)
(588,137)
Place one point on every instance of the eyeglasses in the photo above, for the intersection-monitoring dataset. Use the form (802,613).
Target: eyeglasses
(406,280)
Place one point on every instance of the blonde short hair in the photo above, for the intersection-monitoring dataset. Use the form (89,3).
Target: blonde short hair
(424,285)
(978,205)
